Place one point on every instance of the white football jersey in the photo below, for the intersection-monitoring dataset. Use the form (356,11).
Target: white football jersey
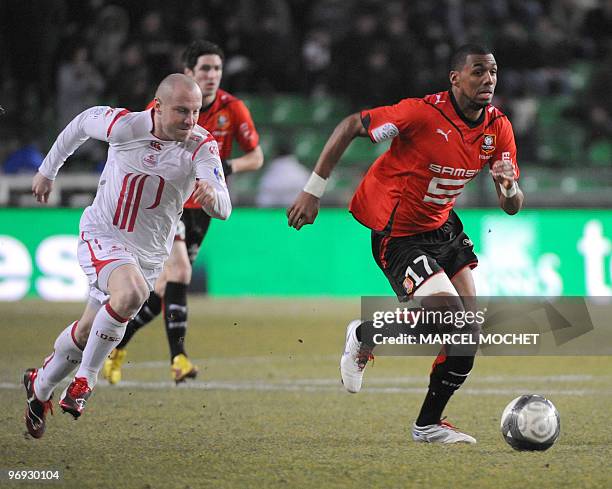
(145,181)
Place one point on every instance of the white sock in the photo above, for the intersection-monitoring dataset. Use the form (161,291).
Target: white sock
(106,332)
(65,358)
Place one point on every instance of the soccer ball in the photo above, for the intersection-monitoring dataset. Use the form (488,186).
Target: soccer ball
(530,422)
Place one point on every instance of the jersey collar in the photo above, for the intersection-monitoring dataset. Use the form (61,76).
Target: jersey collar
(471,124)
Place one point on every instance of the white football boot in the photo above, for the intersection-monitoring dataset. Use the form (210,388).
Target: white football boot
(443,432)
(354,359)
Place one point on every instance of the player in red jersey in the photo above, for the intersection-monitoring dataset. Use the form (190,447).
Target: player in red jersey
(227,119)
(439,143)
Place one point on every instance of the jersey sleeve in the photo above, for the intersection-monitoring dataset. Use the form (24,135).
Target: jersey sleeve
(208,168)
(246,134)
(389,121)
(95,122)
(505,147)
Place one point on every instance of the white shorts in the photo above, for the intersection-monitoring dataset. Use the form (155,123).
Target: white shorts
(100,254)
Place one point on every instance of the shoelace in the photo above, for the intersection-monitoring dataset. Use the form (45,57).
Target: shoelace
(78,387)
(443,422)
(364,355)
(48,407)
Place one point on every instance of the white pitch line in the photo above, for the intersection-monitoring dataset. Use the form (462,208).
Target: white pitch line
(291,386)
(237,360)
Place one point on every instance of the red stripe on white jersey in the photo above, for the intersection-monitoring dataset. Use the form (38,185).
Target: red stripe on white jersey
(160,189)
(136,204)
(128,203)
(119,115)
(207,140)
(120,201)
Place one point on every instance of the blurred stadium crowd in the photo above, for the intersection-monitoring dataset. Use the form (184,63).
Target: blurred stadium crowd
(302,65)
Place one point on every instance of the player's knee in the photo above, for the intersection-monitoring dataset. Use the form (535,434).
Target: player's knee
(180,272)
(160,287)
(129,299)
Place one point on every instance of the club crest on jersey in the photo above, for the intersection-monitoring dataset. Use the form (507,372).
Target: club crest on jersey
(150,160)
(488,143)
(156,146)
(408,285)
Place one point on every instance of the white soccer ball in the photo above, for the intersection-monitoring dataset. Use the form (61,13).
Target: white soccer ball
(530,422)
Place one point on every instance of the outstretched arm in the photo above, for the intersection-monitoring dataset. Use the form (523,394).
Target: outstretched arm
(251,161)
(508,192)
(306,206)
(93,122)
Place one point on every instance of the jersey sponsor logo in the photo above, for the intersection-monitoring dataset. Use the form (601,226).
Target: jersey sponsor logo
(488,143)
(439,99)
(156,145)
(506,156)
(453,172)
(443,134)
(438,191)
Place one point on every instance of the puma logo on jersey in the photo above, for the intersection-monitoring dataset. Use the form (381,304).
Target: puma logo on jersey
(442,133)
(439,99)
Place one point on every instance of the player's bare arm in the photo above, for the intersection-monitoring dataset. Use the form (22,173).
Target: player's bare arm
(306,206)
(41,188)
(511,198)
(251,161)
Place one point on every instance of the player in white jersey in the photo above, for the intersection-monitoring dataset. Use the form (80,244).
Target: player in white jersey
(155,159)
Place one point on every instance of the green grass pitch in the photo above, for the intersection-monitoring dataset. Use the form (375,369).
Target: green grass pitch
(268,410)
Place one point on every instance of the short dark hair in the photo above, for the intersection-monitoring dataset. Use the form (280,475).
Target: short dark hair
(459,56)
(200,48)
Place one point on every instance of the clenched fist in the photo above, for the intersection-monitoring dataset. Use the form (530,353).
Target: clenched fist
(304,210)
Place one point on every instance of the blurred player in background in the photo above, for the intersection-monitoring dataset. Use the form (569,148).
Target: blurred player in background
(440,142)
(154,159)
(228,119)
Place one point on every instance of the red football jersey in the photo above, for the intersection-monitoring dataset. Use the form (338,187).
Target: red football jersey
(227,119)
(412,187)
